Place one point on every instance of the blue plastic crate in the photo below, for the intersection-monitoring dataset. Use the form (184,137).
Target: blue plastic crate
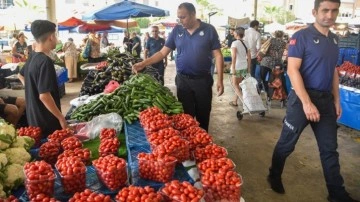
(227,59)
(135,135)
(92,182)
(62,77)
(352,55)
(352,41)
(341,56)
(349,101)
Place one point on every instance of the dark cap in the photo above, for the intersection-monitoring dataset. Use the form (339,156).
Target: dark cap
(41,27)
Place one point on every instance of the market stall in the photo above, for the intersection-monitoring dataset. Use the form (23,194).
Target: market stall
(349,73)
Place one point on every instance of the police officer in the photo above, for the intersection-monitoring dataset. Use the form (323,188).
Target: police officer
(313,53)
(153,45)
(196,43)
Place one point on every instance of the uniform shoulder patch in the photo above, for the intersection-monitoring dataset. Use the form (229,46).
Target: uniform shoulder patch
(292,42)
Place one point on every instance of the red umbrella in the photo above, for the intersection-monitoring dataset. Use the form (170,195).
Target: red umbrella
(93,28)
(72,22)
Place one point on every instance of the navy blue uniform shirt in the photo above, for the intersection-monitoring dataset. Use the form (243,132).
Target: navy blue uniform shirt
(319,54)
(154,45)
(194,52)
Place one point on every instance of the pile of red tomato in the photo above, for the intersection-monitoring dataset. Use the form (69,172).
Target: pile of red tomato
(31,131)
(133,193)
(181,191)
(73,174)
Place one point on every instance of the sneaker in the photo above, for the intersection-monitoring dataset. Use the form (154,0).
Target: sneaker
(276,184)
(345,198)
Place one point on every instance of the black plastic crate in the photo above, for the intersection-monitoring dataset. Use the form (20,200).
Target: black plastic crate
(352,41)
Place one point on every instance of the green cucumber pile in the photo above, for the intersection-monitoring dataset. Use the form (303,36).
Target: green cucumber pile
(138,93)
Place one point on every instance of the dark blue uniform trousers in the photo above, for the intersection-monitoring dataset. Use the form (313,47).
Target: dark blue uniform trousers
(325,133)
(195,94)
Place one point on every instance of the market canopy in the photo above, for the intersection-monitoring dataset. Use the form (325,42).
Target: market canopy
(71,22)
(272,27)
(125,10)
(86,28)
(166,22)
(118,23)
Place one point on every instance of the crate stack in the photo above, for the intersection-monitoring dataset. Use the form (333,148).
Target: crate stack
(62,78)
(349,95)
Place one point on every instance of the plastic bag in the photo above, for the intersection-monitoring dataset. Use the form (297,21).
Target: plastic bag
(251,99)
(111,86)
(93,128)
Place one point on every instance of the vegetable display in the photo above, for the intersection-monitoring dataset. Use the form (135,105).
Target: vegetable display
(111,170)
(88,195)
(73,174)
(209,152)
(49,152)
(156,167)
(349,75)
(181,191)
(176,147)
(71,143)
(157,138)
(183,121)
(142,194)
(31,131)
(40,180)
(83,154)
(139,92)
(109,146)
(215,165)
(60,135)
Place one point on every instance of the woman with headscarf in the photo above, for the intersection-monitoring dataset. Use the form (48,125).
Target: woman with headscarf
(95,48)
(71,58)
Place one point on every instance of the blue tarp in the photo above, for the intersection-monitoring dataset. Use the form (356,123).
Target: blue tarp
(124,10)
(350,104)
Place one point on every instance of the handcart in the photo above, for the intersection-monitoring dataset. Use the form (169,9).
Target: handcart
(251,99)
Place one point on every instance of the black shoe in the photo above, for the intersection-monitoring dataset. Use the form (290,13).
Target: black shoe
(276,184)
(345,198)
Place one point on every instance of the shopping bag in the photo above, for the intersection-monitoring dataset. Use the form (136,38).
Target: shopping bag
(264,48)
(252,101)
(87,50)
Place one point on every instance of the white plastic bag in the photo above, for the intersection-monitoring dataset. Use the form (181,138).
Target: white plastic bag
(93,128)
(251,99)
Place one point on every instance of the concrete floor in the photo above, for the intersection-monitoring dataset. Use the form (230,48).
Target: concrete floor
(250,143)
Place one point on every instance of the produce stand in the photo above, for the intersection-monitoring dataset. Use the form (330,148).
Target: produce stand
(350,104)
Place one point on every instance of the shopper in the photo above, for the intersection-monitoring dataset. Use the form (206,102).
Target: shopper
(153,45)
(196,43)
(71,58)
(241,60)
(126,42)
(230,37)
(95,48)
(11,109)
(253,38)
(39,77)
(19,49)
(313,53)
(136,45)
(272,57)
(104,40)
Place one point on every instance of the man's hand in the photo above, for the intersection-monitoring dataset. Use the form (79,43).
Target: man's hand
(63,123)
(220,88)
(338,109)
(138,67)
(311,112)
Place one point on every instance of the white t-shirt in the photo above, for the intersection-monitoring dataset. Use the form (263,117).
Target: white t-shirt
(253,38)
(241,55)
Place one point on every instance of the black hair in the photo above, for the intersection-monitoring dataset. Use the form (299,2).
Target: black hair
(254,23)
(188,6)
(318,2)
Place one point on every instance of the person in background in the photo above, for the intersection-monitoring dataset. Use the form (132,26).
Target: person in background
(146,37)
(83,42)
(271,58)
(95,48)
(12,108)
(136,45)
(240,62)
(314,100)
(104,40)
(253,38)
(19,49)
(126,42)
(13,40)
(71,58)
(153,45)
(196,43)
(230,37)
(39,78)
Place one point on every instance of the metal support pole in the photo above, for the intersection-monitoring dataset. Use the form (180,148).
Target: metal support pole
(255,9)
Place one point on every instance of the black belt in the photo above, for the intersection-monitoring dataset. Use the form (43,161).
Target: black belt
(193,76)
(319,94)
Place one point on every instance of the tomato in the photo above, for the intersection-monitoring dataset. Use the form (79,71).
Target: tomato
(141,194)
(109,146)
(160,136)
(208,152)
(181,191)
(111,170)
(183,121)
(106,133)
(88,195)
(40,179)
(72,172)
(49,152)
(71,143)
(152,120)
(60,135)
(216,165)
(175,147)
(83,154)
(156,167)
(31,131)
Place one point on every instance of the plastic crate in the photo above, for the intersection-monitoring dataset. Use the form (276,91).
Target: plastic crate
(62,90)
(227,59)
(341,56)
(135,135)
(350,99)
(62,77)
(352,55)
(352,41)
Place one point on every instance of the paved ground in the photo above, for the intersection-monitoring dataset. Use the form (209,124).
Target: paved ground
(250,143)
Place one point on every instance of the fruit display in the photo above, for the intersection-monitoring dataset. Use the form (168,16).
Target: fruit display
(72,173)
(71,143)
(219,165)
(88,195)
(136,94)
(83,153)
(181,191)
(107,133)
(111,170)
(109,146)
(176,147)
(60,135)
(157,138)
(156,167)
(349,75)
(209,152)
(183,121)
(226,52)
(49,152)
(31,131)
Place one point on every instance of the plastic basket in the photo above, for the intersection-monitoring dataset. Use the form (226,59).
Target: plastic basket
(35,187)
(227,59)
(352,41)
(135,135)
(113,180)
(156,170)
(62,77)
(352,55)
